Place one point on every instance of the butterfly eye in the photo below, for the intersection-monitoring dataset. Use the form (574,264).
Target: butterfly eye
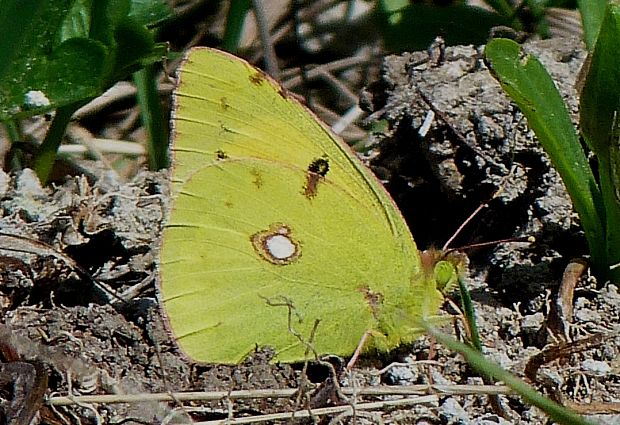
(445,275)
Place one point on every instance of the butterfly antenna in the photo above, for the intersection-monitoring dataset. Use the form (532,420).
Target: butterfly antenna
(445,249)
(460,137)
(477,210)
(465,223)
(527,239)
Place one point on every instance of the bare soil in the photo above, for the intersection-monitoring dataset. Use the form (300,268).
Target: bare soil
(56,241)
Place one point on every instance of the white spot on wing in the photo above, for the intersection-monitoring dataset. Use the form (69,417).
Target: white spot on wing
(276,244)
(280,247)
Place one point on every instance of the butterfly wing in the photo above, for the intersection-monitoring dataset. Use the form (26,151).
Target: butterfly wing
(274,217)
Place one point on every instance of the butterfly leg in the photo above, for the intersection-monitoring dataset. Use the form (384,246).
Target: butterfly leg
(358,350)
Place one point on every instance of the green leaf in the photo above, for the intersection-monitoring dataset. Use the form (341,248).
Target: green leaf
(35,62)
(592,12)
(608,177)
(59,54)
(600,114)
(74,71)
(149,12)
(527,82)
(414,27)
(77,21)
(132,42)
(600,96)
(24,25)
(501,6)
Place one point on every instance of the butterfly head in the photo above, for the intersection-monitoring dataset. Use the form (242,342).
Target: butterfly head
(444,267)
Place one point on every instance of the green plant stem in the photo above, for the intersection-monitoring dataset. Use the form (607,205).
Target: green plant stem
(13,131)
(612,217)
(470,315)
(46,156)
(555,411)
(234,24)
(152,117)
(15,135)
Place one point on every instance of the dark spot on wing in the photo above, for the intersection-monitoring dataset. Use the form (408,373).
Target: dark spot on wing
(317,170)
(224,103)
(257,178)
(221,154)
(319,166)
(257,78)
(225,129)
(373,299)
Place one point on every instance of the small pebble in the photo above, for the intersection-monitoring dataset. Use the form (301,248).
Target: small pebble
(35,99)
(4,183)
(490,420)
(401,375)
(28,184)
(596,367)
(453,412)
(532,322)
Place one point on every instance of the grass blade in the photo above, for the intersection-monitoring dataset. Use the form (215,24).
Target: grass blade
(527,82)
(555,411)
